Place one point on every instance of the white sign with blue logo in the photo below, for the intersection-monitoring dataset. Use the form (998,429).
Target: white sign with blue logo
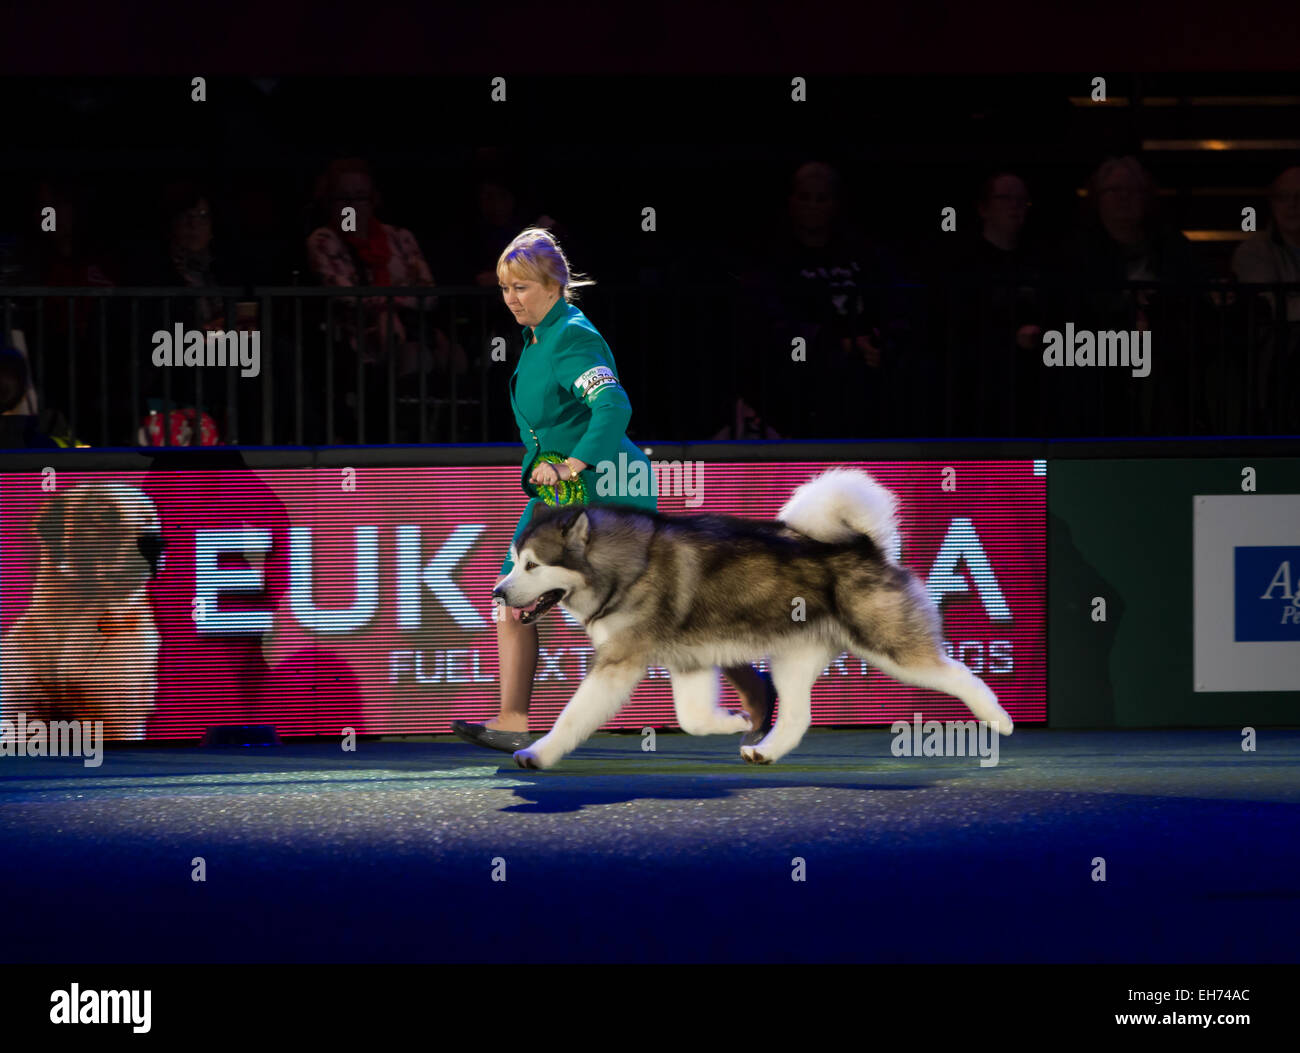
(1246,556)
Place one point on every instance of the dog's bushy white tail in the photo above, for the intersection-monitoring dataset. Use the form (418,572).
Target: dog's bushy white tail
(842,503)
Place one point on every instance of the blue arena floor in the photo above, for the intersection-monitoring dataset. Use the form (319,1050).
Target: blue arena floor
(683,854)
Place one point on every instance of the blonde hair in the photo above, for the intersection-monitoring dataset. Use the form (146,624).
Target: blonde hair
(535,255)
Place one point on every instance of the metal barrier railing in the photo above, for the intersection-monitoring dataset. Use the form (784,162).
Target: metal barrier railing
(394,365)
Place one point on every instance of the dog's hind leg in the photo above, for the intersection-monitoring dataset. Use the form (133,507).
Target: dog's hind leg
(695,698)
(793,672)
(938,672)
(599,697)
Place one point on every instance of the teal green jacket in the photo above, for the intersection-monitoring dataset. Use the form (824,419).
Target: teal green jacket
(567,398)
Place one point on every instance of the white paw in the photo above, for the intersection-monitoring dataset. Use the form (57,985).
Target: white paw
(753,756)
(723,722)
(1003,723)
(531,758)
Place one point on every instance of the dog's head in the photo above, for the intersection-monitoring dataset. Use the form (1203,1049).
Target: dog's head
(102,536)
(550,562)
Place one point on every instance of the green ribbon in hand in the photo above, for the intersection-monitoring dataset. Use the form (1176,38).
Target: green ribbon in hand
(571,491)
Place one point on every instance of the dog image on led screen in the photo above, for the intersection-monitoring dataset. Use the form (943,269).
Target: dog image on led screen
(86,646)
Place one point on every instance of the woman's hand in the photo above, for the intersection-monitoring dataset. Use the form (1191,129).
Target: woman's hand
(547,474)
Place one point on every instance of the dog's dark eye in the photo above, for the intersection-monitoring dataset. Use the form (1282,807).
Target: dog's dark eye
(529,566)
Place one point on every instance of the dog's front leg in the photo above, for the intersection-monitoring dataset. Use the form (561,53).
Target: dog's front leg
(599,697)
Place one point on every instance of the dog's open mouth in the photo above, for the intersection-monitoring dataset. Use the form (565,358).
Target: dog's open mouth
(541,605)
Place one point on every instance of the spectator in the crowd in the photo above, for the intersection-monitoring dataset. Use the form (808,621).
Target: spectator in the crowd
(1001,252)
(992,305)
(744,423)
(15,234)
(1123,238)
(498,217)
(18,429)
(72,253)
(75,254)
(828,285)
(1273,255)
(375,254)
(185,253)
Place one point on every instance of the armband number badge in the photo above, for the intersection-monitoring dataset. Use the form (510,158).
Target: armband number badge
(594,381)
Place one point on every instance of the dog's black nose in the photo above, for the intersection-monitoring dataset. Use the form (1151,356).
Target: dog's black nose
(151,546)
(497,593)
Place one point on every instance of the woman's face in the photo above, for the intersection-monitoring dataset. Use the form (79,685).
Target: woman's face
(1286,202)
(1122,200)
(192,229)
(1007,207)
(528,300)
(354,190)
(812,202)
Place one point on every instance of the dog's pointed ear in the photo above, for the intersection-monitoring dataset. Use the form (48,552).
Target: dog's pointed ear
(49,526)
(577,530)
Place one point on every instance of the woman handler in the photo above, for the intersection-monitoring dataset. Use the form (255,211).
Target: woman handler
(567,398)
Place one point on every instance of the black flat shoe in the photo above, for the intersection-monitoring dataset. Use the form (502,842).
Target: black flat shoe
(482,735)
(753,738)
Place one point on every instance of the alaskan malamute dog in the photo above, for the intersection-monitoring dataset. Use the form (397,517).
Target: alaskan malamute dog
(692,593)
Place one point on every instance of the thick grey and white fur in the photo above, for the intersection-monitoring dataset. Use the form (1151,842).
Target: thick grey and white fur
(695,593)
